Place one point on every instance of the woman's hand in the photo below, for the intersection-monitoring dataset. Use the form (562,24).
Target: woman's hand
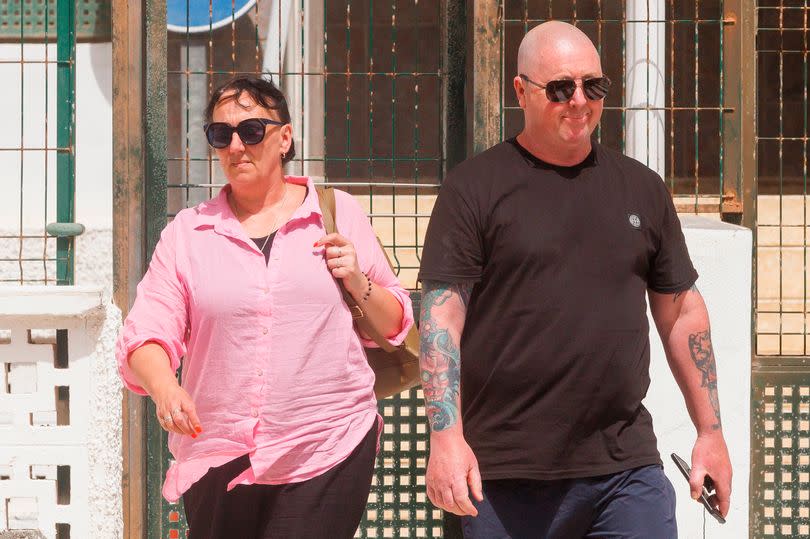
(175,410)
(341,259)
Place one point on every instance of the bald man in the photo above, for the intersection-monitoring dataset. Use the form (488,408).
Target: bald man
(535,342)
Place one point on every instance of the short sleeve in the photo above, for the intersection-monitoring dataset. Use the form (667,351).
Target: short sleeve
(671,269)
(354,224)
(160,311)
(453,250)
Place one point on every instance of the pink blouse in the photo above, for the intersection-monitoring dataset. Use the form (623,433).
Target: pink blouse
(271,359)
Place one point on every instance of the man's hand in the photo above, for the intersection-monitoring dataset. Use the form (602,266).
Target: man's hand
(710,457)
(452,474)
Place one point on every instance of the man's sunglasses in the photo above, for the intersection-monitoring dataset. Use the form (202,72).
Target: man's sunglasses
(251,131)
(560,91)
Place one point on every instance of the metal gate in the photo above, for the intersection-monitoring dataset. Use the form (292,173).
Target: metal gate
(385,64)
(38,63)
(780,505)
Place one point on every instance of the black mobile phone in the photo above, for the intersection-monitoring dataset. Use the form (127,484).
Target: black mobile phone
(707,491)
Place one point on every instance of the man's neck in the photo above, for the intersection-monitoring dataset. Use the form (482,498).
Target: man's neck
(561,157)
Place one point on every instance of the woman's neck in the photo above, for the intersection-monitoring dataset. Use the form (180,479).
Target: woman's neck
(253,199)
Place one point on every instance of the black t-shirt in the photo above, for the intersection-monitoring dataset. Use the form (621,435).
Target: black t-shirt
(555,351)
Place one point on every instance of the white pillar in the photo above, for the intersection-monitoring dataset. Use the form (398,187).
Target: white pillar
(294,45)
(645,60)
(721,253)
(60,441)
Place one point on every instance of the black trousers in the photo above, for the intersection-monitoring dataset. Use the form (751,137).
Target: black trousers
(329,506)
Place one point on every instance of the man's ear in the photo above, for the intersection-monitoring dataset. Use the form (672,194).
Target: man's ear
(520,91)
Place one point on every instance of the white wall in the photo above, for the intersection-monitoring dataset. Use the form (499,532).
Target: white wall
(721,254)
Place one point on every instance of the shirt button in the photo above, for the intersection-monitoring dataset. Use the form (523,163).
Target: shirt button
(254,412)
(259,372)
(264,331)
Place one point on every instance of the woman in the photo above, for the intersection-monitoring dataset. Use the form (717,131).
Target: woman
(274,429)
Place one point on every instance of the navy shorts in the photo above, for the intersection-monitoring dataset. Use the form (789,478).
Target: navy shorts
(637,503)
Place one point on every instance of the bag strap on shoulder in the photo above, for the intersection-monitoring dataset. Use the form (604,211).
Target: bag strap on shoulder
(326,200)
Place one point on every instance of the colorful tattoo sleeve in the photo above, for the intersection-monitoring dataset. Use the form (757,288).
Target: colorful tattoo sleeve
(439,357)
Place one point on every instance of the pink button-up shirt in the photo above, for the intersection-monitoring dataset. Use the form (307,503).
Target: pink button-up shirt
(271,358)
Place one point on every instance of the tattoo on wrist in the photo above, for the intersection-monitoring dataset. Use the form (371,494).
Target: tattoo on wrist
(440,357)
(693,288)
(700,346)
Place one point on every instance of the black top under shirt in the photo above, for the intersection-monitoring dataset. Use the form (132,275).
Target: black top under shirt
(555,351)
(267,247)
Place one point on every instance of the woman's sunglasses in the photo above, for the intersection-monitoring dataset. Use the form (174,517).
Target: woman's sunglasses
(251,131)
(560,91)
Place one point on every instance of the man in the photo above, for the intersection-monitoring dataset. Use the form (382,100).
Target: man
(535,349)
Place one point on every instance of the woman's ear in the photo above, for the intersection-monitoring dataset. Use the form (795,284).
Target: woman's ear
(286,138)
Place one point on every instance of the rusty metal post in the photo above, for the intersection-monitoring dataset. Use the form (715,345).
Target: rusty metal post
(455,59)
(128,226)
(486,74)
(738,83)
(139,75)
(748,107)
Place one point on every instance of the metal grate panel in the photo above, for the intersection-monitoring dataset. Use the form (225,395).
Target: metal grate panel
(780,505)
(398,505)
(35,20)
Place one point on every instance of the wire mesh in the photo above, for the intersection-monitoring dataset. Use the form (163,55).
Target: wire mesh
(364,83)
(782,150)
(37,151)
(668,111)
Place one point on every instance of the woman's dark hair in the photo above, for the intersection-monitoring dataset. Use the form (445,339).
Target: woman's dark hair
(262,91)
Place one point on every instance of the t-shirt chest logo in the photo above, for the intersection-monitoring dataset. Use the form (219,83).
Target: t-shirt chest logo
(635,220)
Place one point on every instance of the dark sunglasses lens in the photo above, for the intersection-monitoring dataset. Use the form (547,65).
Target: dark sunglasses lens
(219,135)
(560,90)
(251,131)
(597,88)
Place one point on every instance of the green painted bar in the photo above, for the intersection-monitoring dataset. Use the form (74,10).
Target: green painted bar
(65,134)
(155,125)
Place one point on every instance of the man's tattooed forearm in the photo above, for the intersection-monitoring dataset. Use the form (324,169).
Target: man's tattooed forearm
(440,358)
(693,288)
(700,346)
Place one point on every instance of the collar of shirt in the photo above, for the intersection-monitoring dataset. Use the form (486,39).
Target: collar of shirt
(217,214)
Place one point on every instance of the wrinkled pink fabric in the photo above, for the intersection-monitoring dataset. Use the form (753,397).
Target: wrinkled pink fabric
(272,362)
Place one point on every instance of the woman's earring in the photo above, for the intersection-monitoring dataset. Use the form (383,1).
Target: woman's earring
(283,155)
